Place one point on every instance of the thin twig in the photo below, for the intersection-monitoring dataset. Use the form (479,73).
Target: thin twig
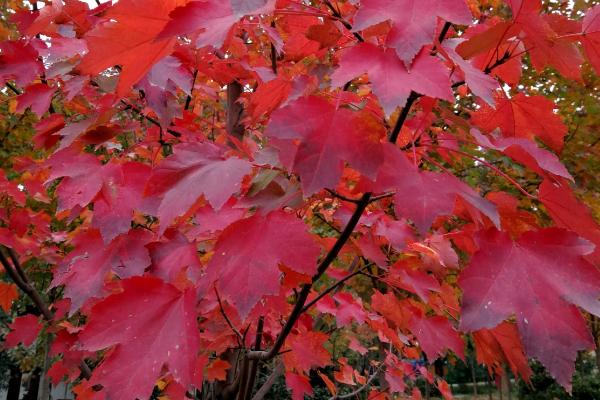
(336,13)
(239,336)
(493,168)
(13,88)
(133,108)
(303,296)
(412,97)
(360,389)
(333,287)
(188,100)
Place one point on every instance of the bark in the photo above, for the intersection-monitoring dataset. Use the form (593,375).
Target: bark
(44,385)
(235,110)
(33,385)
(14,384)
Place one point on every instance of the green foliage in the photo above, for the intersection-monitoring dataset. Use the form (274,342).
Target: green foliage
(586,383)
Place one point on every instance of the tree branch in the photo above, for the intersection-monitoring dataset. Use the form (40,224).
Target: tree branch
(264,389)
(13,88)
(403,115)
(302,297)
(333,287)
(136,110)
(18,276)
(346,24)
(360,389)
(239,336)
(188,100)
(247,391)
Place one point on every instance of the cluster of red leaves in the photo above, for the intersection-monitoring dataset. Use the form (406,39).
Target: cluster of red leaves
(178,236)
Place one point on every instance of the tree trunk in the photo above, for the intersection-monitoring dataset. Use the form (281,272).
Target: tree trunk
(234,110)
(44,385)
(490,387)
(14,384)
(473,376)
(33,385)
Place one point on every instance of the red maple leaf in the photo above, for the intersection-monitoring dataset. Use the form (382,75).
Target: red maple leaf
(151,324)
(413,21)
(590,36)
(212,19)
(392,81)
(502,346)
(250,250)
(84,271)
(431,194)
(523,116)
(139,21)
(193,170)
(329,135)
(548,268)
(24,329)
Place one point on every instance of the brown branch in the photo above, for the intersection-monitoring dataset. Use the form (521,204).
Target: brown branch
(403,115)
(136,110)
(264,389)
(303,296)
(254,366)
(273,53)
(336,13)
(13,88)
(18,276)
(333,287)
(382,196)
(414,96)
(239,336)
(235,110)
(15,271)
(188,100)
(360,389)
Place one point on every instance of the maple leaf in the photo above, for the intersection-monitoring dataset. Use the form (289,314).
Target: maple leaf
(8,294)
(569,213)
(307,352)
(84,271)
(299,385)
(392,81)
(82,177)
(590,36)
(169,258)
(152,324)
(128,38)
(523,116)
(119,197)
(329,135)
(546,46)
(431,194)
(19,61)
(212,19)
(37,98)
(24,329)
(481,84)
(502,346)
(526,152)
(251,250)
(548,267)
(435,334)
(194,169)
(413,21)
